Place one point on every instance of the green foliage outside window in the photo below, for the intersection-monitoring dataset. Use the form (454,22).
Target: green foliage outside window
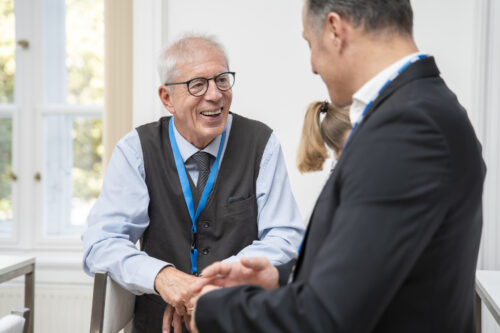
(5,168)
(84,61)
(7,61)
(84,51)
(7,70)
(87,163)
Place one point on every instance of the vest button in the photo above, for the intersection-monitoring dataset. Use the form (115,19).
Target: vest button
(205,251)
(205,224)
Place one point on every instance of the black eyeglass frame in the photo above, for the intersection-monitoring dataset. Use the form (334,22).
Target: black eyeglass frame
(207,84)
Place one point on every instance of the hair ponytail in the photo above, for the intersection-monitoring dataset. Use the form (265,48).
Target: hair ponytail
(318,134)
(312,151)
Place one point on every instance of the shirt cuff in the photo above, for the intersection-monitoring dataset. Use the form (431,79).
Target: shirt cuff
(147,272)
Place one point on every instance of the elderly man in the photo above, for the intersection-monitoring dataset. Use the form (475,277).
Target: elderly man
(393,240)
(200,186)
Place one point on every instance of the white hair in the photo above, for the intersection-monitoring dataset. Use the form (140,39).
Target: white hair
(182,48)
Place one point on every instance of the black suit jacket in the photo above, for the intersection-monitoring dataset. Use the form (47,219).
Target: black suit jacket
(393,239)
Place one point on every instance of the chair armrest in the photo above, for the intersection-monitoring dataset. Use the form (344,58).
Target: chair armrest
(25,313)
(112,305)
(98,302)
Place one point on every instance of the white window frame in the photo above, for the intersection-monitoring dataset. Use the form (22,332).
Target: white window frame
(28,112)
(43,241)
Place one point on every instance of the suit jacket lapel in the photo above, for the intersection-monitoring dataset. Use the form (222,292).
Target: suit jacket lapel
(315,223)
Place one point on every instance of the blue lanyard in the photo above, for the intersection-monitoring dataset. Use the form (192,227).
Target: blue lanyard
(391,78)
(186,190)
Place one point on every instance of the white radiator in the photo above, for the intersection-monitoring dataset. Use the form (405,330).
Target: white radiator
(58,308)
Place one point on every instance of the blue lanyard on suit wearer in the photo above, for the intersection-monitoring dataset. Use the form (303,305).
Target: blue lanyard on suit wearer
(186,190)
(391,78)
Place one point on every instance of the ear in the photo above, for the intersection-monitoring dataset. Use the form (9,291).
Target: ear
(335,31)
(166,98)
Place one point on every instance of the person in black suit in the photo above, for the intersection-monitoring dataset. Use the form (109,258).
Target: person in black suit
(393,239)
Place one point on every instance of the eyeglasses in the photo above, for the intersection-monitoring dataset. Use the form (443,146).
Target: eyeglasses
(199,85)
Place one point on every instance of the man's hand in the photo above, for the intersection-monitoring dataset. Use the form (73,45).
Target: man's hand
(257,271)
(172,319)
(174,287)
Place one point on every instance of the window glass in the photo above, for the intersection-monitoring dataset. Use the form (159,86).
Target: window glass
(74,49)
(7,71)
(5,176)
(84,51)
(72,164)
(7,49)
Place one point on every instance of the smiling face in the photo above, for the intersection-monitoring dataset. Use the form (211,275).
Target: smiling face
(198,119)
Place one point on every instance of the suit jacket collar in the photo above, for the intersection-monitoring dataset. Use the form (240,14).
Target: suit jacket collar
(420,69)
(372,87)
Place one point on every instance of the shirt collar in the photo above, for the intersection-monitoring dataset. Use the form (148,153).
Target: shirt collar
(187,149)
(371,88)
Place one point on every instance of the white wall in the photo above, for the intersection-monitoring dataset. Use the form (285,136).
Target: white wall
(446,29)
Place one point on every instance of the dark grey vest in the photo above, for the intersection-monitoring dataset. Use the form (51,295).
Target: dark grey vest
(226,225)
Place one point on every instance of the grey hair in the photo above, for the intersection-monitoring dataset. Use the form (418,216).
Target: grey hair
(372,15)
(183,48)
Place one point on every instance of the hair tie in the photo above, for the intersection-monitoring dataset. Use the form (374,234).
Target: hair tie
(324,107)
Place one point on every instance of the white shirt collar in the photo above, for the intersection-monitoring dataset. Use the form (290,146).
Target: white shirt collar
(187,149)
(370,89)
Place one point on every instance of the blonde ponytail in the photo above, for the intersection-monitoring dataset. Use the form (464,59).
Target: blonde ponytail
(312,151)
(319,134)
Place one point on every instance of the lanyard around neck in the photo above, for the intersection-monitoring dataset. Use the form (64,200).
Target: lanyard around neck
(186,189)
(391,78)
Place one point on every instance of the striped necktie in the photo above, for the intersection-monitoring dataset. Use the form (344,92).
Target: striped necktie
(202,159)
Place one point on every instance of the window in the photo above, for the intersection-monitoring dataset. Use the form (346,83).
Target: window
(50,116)
(7,71)
(5,174)
(72,135)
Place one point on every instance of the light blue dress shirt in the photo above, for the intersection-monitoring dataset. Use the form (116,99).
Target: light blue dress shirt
(120,214)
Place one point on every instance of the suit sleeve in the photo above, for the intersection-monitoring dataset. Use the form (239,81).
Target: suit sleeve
(392,188)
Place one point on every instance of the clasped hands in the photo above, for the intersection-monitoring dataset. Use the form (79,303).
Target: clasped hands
(182,291)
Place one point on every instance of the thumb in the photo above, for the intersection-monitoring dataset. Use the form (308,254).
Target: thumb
(256,264)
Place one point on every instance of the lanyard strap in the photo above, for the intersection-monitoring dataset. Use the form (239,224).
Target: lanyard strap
(391,78)
(186,190)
